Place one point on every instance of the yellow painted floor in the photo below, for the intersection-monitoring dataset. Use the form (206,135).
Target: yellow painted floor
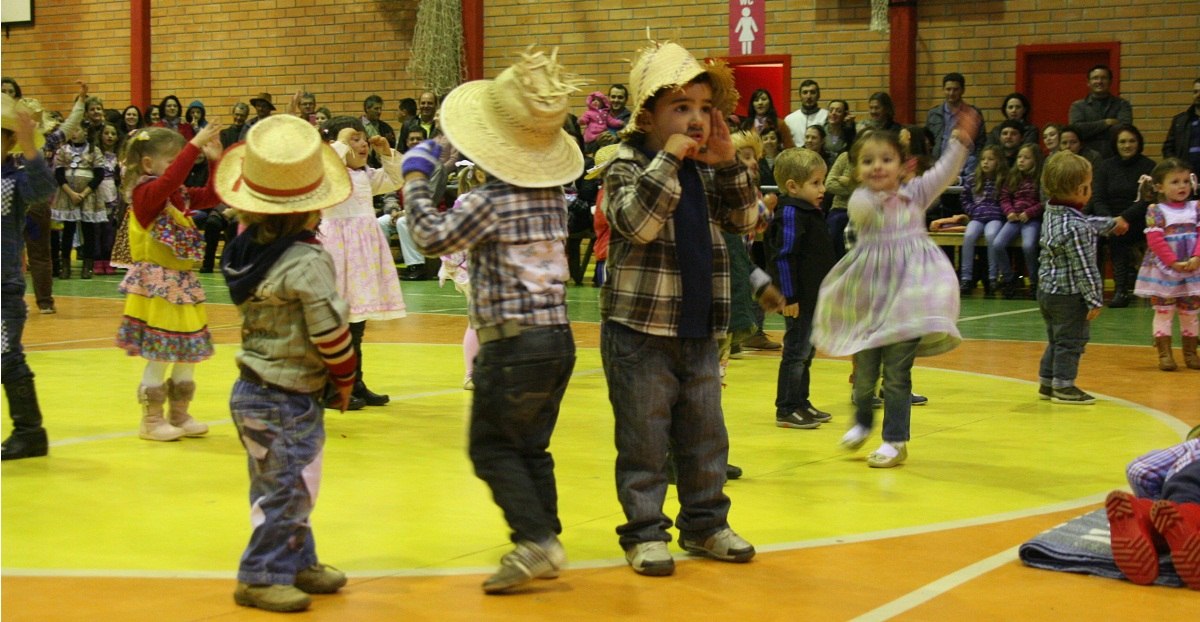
(110,527)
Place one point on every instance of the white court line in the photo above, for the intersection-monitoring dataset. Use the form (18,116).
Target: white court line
(932,590)
(1000,314)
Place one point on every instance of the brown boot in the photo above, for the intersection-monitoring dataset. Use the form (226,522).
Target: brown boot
(1190,358)
(180,394)
(1166,360)
(154,427)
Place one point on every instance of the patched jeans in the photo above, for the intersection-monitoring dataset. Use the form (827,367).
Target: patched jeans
(519,385)
(666,393)
(284,437)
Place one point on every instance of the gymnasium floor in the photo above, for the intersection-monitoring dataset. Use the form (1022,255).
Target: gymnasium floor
(110,527)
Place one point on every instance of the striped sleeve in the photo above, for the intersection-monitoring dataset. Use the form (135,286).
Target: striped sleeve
(337,352)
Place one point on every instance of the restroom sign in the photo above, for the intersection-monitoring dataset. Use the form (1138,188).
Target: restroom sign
(747,27)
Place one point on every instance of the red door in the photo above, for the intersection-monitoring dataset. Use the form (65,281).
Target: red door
(1054,76)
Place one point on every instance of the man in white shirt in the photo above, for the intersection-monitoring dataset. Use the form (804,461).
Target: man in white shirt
(810,111)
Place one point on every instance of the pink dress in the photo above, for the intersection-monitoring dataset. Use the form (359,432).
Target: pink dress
(366,274)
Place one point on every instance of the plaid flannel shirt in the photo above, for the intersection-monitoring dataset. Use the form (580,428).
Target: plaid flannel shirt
(1068,260)
(1148,473)
(517,262)
(643,285)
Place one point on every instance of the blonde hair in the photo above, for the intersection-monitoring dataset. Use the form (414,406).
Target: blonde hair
(748,139)
(1064,173)
(273,227)
(796,164)
(149,142)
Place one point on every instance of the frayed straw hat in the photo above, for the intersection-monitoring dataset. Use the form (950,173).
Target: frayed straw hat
(9,115)
(669,65)
(600,161)
(512,126)
(283,168)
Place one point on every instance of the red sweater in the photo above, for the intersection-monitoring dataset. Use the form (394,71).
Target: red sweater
(150,198)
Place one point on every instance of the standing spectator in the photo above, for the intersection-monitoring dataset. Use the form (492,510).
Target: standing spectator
(408,110)
(263,107)
(810,112)
(882,114)
(1183,139)
(617,96)
(171,109)
(308,107)
(762,118)
(1096,115)
(943,118)
(131,121)
(375,126)
(427,106)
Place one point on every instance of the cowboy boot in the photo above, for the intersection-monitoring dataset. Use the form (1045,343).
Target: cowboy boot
(369,397)
(1166,359)
(28,438)
(180,395)
(154,427)
(1190,358)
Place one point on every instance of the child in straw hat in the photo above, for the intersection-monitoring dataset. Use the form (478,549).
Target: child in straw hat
(23,186)
(295,339)
(666,303)
(514,226)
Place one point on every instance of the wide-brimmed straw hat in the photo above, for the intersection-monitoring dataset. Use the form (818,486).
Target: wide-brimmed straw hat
(264,98)
(283,168)
(9,115)
(512,126)
(600,161)
(663,65)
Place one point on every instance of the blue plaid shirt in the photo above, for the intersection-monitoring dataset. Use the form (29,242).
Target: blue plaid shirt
(1068,259)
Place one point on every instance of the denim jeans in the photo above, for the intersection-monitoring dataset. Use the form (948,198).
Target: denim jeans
(1030,233)
(1184,485)
(519,385)
(896,362)
(666,394)
(284,437)
(1067,332)
(996,254)
(791,389)
(12,303)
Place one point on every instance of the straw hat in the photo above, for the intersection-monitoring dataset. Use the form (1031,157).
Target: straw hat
(603,156)
(663,65)
(512,126)
(262,97)
(9,115)
(283,168)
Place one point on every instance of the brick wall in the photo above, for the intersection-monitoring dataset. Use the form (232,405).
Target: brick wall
(222,52)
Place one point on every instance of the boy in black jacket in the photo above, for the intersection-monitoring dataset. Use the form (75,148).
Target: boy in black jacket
(800,255)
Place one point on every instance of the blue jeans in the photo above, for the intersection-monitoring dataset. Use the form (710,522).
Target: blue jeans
(12,301)
(519,384)
(1030,233)
(666,394)
(896,362)
(988,230)
(284,437)
(1067,332)
(792,386)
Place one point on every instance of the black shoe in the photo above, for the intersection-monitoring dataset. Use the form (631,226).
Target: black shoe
(732,472)
(1070,395)
(355,403)
(369,397)
(819,415)
(1009,288)
(1119,300)
(801,420)
(414,273)
(25,444)
(966,287)
(989,288)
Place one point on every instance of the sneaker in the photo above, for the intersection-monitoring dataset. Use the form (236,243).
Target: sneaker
(1179,524)
(320,579)
(1071,395)
(725,545)
(797,420)
(819,415)
(918,400)
(733,472)
(283,598)
(876,401)
(47,310)
(1045,392)
(528,561)
(760,341)
(651,559)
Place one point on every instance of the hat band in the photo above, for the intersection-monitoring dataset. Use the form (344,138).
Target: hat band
(276,192)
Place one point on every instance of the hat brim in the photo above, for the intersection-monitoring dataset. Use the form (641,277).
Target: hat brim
(500,153)
(254,102)
(335,186)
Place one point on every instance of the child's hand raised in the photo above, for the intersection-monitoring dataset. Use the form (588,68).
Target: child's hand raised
(83,89)
(205,139)
(966,126)
(380,145)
